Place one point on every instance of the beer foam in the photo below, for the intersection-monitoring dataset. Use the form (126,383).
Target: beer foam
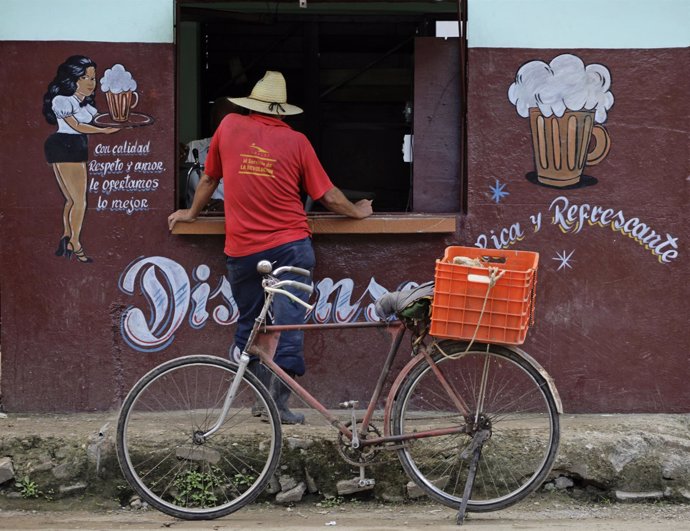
(117,79)
(563,84)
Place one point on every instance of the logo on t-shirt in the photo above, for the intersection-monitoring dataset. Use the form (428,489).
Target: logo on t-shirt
(258,162)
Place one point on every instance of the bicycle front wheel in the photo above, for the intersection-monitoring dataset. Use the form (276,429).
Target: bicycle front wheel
(164,455)
(504,394)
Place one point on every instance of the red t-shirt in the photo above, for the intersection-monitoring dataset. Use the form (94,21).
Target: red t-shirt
(264,164)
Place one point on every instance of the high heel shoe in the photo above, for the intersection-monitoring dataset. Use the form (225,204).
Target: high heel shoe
(79,254)
(62,246)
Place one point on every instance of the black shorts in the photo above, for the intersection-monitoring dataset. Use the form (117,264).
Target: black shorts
(64,147)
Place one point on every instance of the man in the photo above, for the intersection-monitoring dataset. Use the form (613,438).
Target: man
(220,107)
(265,165)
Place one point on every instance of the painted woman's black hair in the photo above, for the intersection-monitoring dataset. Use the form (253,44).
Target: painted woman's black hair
(65,84)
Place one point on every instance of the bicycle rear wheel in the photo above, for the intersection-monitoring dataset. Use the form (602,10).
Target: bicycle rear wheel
(516,406)
(163,455)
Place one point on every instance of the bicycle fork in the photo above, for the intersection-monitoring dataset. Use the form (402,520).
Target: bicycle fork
(229,398)
(242,367)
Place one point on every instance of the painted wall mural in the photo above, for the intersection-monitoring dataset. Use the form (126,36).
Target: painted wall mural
(172,296)
(567,102)
(70,104)
(123,167)
(571,218)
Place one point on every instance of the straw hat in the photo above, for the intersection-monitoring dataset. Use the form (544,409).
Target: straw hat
(269,96)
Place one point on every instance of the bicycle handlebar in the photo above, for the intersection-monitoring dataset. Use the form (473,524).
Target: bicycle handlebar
(265,267)
(273,289)
(294,284)
(291,269)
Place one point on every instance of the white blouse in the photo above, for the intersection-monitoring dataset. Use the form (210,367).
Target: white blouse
(64,106)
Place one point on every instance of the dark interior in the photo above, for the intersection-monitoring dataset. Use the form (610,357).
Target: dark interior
(352,73)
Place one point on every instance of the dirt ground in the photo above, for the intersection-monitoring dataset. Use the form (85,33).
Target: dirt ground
(548,511)
(553,511)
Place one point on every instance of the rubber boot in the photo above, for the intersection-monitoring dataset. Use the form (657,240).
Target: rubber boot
(265,377)
(281,394)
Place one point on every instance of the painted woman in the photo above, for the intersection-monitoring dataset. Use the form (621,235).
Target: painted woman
(69,103)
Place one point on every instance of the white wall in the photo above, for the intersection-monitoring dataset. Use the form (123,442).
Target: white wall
(492,23)
(87,20)
(578,23)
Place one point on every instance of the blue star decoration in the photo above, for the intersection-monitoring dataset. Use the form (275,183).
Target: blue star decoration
(564,260)
(498,192)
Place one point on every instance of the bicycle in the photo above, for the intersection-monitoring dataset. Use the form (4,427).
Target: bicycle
(474,425)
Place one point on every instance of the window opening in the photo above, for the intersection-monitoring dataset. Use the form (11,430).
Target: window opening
(349,65)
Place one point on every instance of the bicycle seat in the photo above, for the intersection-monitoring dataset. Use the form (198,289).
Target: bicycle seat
(409,303)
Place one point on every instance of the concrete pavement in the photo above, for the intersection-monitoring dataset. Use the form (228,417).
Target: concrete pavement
(619,457)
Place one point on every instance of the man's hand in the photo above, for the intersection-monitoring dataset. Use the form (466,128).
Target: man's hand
(335,201)
(364,207)
(184,214)
(202,195)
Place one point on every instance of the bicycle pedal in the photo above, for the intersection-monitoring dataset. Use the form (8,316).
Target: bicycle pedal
(350,486)
(349,404)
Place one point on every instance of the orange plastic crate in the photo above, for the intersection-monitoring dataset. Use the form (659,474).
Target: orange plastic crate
(460,291)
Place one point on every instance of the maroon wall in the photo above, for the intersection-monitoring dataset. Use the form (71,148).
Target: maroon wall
(610,320)
(66,330)
(612,323)
(60,330)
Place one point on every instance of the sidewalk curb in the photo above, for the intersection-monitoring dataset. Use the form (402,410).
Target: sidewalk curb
(618,457)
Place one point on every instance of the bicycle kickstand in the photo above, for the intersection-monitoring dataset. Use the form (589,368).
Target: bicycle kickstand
(474,451)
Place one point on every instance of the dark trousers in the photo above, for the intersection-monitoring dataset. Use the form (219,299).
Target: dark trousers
(249,296)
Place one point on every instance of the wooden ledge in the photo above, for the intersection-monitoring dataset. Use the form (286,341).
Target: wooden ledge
(333,224)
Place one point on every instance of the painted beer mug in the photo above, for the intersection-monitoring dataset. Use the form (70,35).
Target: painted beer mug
(562,145)
(566,103)
(120,92)
(121,103)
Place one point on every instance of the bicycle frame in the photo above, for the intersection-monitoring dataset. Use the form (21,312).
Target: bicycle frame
(263,341)
(263,345)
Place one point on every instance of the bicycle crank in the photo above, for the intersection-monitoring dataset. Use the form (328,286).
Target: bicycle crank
(360,455)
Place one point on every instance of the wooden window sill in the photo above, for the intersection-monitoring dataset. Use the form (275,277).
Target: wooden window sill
(333,224)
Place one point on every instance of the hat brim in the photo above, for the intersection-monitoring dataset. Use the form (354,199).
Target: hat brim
(263,107)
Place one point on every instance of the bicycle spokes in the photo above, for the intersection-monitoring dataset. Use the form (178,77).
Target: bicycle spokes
(512,421)
(189,451)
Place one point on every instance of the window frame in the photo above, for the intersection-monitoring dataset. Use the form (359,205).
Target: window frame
(327,223)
